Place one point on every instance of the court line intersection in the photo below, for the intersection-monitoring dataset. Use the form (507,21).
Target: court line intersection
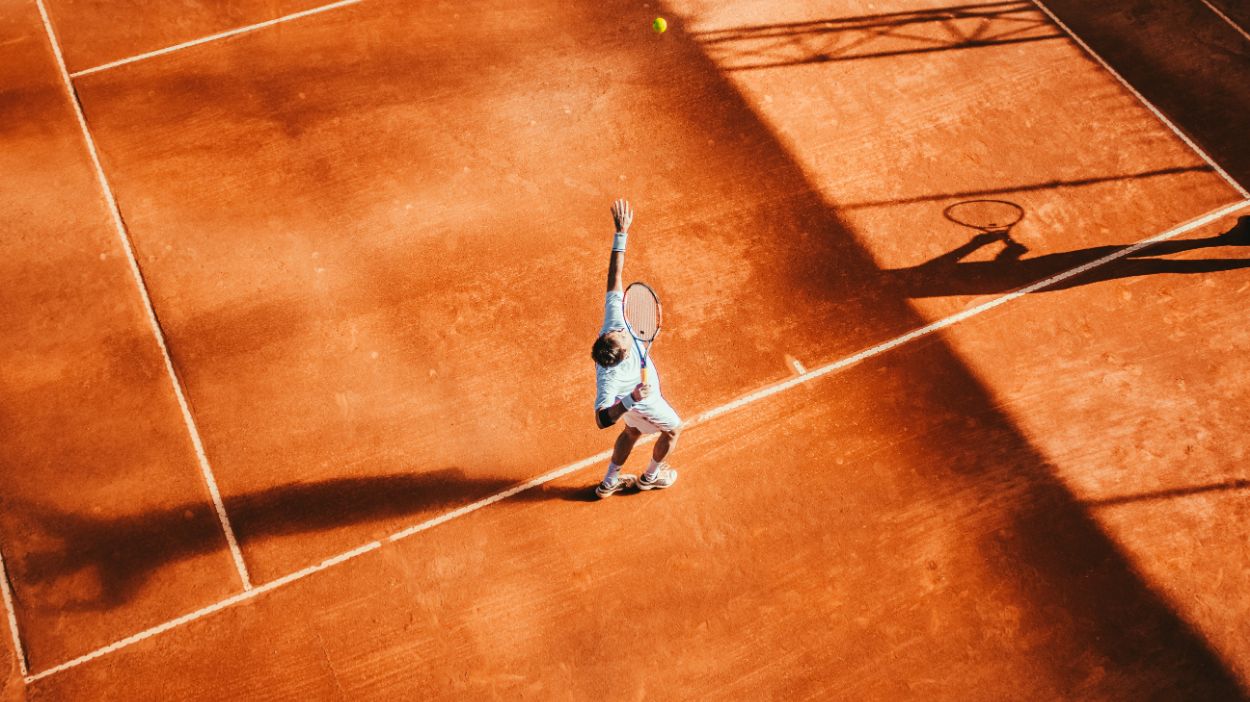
(1142,99)
(158,333)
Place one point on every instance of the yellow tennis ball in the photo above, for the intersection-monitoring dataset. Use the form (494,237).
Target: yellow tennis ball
(659,25)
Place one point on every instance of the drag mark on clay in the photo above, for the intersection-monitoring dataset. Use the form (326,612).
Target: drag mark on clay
(795,364)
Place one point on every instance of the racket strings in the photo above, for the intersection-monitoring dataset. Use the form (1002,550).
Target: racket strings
(642,312)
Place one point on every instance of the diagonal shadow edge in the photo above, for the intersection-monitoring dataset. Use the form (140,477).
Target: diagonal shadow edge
(1190,639)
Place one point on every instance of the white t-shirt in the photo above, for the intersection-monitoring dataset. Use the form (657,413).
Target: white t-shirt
(611,384)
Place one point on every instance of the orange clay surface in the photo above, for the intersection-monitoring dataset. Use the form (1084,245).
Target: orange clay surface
(376,240)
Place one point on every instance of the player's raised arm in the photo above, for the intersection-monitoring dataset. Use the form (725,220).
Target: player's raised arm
(623,216)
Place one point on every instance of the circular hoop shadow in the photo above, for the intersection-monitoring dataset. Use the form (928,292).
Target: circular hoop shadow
(996,216)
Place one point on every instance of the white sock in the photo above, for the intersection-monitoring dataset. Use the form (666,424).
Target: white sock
(613,469)
(653,468)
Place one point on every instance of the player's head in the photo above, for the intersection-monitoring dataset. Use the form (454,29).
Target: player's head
(610,348)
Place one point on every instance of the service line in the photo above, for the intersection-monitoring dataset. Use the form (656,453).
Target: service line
(212,37)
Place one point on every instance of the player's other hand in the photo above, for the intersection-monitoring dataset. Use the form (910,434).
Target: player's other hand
(640,392)
(622,215)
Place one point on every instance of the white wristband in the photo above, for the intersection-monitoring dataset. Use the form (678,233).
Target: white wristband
(627,402)
(618,242)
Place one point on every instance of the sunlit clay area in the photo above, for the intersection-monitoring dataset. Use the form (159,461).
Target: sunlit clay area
(603,350)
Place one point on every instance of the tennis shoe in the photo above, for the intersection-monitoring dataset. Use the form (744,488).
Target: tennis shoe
(664,477)
(622,481)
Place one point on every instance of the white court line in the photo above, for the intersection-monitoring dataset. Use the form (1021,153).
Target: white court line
(6,593)
(1229,20)
(335,560)
(205,469)
(212,37)
(971,312)
(540,480)
(701,418)
(200,613)
(1142,98)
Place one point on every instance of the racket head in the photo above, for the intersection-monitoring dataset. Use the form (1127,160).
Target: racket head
(643,313)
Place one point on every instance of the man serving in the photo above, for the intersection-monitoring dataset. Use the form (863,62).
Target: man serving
(620,392)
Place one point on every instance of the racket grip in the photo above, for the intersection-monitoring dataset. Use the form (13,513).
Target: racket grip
(646,375)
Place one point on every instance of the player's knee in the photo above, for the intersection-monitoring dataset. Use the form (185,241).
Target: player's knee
(632,433)
(673,433)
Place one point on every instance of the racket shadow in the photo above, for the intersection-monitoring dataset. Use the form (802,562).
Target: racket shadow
(1012,268)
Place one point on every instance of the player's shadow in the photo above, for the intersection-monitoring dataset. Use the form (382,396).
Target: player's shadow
(99,563)
(1011,269)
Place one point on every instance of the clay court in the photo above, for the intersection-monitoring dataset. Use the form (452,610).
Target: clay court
(297,300)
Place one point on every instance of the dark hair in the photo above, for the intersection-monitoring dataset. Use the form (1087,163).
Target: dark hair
(606,353)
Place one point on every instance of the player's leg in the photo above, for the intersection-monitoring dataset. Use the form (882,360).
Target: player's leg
(614,480)
(624,445)
(664,446)
(664,418)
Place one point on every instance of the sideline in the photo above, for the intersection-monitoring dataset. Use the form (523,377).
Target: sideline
(206,469)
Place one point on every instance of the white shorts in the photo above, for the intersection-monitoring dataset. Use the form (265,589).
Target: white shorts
(652,416)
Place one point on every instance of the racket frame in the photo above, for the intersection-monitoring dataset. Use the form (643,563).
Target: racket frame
(659,324)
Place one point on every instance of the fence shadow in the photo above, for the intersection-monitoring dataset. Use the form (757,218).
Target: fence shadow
(877,35)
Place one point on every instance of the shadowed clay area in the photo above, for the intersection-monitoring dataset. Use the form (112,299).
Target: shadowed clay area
(1184,59)
(805,276)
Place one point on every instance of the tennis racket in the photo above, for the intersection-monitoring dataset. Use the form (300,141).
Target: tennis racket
(642,317)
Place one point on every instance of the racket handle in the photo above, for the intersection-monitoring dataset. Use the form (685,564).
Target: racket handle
(646,375)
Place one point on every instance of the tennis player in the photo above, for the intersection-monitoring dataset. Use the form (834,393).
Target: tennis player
(620,394)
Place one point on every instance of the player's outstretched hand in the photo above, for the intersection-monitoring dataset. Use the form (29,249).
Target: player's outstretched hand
(622,215)
(640,392)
